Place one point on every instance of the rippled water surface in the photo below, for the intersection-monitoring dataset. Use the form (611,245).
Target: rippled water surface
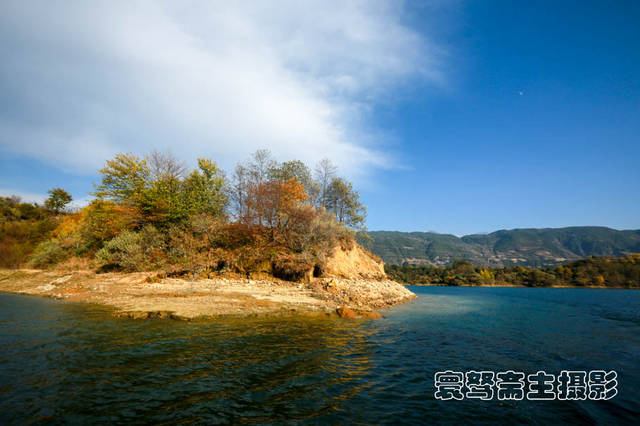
(67,363)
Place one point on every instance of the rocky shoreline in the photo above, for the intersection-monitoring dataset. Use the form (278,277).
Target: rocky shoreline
(145,295)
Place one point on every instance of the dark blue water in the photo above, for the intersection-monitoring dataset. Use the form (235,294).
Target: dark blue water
(66,363)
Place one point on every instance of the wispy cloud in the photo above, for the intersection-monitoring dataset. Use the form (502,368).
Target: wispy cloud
(84,80)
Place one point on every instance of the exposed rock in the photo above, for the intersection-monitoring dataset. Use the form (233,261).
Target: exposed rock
(133,296)
(354,262)
(146,315)
(369,314)
(362,294)
(345,312)
(46,287)
(62,279)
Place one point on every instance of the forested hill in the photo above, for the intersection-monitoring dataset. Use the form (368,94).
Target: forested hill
(524,247)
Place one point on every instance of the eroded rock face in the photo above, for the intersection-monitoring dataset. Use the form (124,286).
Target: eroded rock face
(354,263)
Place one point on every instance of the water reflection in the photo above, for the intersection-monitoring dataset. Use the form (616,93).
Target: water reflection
(76,364)
(238,370)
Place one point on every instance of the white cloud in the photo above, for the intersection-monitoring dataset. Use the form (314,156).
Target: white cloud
(84,80)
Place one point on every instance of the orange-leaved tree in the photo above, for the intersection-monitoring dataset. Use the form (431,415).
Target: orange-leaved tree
(271,203)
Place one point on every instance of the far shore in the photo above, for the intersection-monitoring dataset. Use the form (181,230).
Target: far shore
(149,295)
(525,286)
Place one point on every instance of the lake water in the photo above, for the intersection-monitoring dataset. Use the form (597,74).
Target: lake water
(70,363)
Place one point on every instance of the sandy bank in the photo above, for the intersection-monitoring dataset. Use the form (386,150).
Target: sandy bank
(142,295)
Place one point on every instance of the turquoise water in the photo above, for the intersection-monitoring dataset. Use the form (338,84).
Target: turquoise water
(68,363)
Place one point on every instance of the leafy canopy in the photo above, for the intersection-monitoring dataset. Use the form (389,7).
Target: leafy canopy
(160,193)
(58,200)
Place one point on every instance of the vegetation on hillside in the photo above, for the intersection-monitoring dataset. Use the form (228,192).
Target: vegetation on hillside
(152,214)
(519,247)
(25,225)
(592,271)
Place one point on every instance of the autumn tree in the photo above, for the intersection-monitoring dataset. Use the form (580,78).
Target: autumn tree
(271,203)
(281,211)
(151,212)
(102,220)
(296,169)
(247,177)
(253,185)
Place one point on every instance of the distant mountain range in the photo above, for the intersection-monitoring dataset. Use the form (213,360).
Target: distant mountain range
(525,247)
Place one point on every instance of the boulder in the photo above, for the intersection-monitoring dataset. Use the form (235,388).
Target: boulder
(345,312)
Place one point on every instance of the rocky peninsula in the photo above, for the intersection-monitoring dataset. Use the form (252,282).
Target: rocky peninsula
(354,286)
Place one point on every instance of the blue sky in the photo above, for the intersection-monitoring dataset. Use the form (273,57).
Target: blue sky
(457,117)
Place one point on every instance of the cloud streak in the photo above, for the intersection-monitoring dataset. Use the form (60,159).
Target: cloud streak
(84,80)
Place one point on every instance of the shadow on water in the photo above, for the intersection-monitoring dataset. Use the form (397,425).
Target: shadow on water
(76,364)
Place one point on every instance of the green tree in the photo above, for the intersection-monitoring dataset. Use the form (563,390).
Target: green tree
(161,203)
(205,189)
(156,188)
(58,200)
(344,202)
(124,179)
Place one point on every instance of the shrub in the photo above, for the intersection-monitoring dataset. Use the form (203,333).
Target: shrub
(19,238)
(153,243)
(187,251)
(323,236)
(47,254)
(123,251)
(234,235)
(292,268)
(327,232)
(132,251)
(103,220)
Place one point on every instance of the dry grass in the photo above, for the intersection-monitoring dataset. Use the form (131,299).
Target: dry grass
(77,264)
